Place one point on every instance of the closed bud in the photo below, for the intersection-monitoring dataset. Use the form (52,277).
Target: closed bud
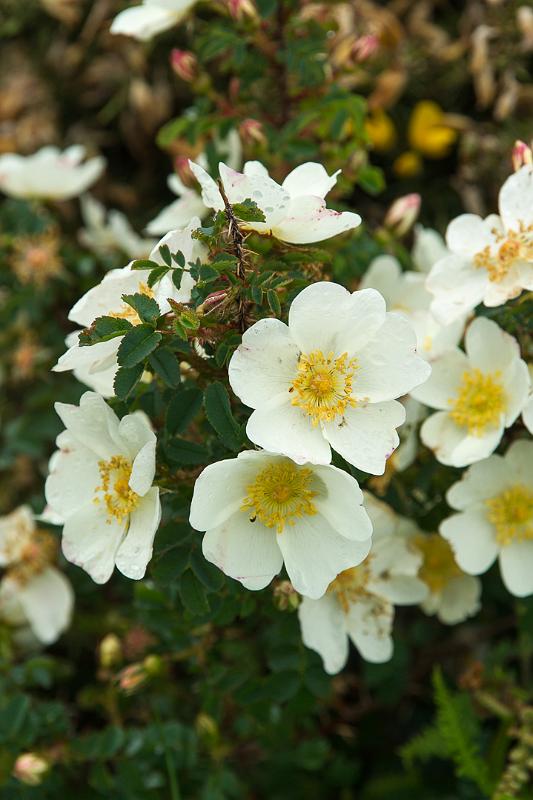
(521,155)
(364,47)
(30,768)
(184,64)
(242,8)
(403,214)
(206,726)
(286,598)
(153,665)
(110,651)
(131,678)
(251,130)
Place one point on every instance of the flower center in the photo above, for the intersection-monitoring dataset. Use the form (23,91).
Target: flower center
(129,313)
(35,556)
(117,495)
(480,401)
(439,566)
(511,513)
(323,385)
(280,493)
(351,585)
(516,246)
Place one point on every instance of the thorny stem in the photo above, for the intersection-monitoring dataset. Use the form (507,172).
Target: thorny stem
(237,238)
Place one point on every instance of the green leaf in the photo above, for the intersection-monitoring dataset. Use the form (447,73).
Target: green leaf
(126,380)
(182,451)
(192,594)
(156,274)
(183,407)
(103,329)
(164,362)
(146,307)
(170,565)
(219,414)
(371,179)
(144,263)
(211,577)
(179,258)
(177,275)
(136,345)
(248,211)
(164,252)
(208,273)
(273,302)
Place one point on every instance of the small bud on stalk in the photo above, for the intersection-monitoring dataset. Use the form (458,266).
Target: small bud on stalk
(184,64)
(403,214)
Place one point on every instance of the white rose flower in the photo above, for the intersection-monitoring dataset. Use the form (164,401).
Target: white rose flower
(328,379)
(491,260)
(261,511)
(429,247)
(453,595)
(294,212)
(100,485)
(478,393)
(406,293)
(33,592)
(49,173)
(495,520)
(189,203)
(145,21)
(96,365)
(359,603)
(105,232)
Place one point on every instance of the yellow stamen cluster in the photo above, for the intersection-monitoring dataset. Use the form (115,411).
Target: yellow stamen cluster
(118,496)
(280,494)
(439,566)
(127,311)
(480,401)
(323,385)
(37,554)
(514,247)
(511,513)
(351,585)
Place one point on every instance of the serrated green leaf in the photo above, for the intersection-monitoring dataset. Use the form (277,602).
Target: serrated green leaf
(177,275)
(166,365)
(136,345)
(126,379)
(273,302)
(144,263)
(170,565)
(164,252)
(156,274)
(103,329)
(146,307)
(211,577)
(248,211)
(183,407)
(181,451)
(179,258)
(192,594)
(219,414)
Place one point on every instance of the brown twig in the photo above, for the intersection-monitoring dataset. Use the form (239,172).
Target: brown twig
(237,238)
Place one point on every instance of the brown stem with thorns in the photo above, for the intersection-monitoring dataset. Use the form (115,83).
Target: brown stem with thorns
(237,238)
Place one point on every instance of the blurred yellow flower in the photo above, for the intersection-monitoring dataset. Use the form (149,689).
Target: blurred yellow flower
(380,130)
(428,132)
(407,164)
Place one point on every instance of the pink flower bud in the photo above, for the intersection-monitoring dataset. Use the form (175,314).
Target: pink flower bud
(251,130)
(521,155)
(131,678)
(241,8)
(184,64)
(183,170)
(30,769)
(365,47)
(403,213)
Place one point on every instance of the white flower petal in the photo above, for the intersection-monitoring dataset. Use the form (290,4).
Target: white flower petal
(314,554)
(92,423)
(369,625)
(265,364)
(178,214)
(211,196)
(343,505)
(443,383)
(516,199)
(106,297)
(527,414)
(468,234)
(91,540)
(366,436)
(388,365)
(143,468)
(473,540)
(516,386)
(458,288)
(307,220)
(325,316)
(246,551)
(429,247)
(220,489)
(459,599)
(135,551)
(47,600)
(519,457)
(488,347)
(144,21)
(280,427)
(401,590)
(453,445)
(516,565)
(309,179)
(269,196)
(322,626)
(73,477)
(482,480)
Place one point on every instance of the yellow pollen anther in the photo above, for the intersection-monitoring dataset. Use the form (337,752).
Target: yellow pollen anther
(511,513)
(280,493)
(439,566)
(514,247)
(480,401)
(323,385)
(127,311)
(118,497)
(351,584)
(37,554)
